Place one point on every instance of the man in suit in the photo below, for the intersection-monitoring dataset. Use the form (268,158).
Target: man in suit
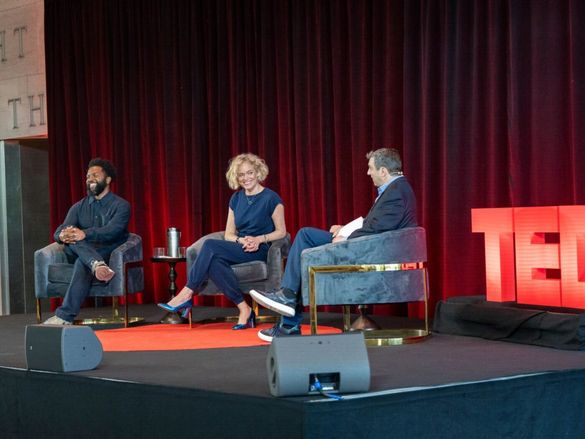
(394,208)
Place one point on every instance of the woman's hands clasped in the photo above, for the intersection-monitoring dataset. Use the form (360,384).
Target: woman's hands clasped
(251,243)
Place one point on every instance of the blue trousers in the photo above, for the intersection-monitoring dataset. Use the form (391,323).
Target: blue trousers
(215,261)
(82,255)
(307,237)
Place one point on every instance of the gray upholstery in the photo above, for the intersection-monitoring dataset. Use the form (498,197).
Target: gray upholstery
(53,273)
(397,246)
(251,275)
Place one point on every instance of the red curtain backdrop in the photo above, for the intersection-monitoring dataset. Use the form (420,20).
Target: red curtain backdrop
(485,99)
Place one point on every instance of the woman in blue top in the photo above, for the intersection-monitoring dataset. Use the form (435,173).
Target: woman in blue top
(255,218)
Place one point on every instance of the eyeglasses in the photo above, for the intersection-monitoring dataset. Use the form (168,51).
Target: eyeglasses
(249,173)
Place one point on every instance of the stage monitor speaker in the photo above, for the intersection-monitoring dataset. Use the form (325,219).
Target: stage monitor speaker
(60,348)
(339,362)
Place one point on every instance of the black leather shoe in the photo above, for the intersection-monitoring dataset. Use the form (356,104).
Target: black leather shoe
(282,301)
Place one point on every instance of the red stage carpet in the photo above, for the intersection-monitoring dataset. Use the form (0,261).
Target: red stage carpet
(181,337)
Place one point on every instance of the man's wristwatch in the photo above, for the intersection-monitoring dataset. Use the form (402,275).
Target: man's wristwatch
(238,240)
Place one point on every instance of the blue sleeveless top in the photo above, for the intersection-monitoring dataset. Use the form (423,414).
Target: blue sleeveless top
(253,213)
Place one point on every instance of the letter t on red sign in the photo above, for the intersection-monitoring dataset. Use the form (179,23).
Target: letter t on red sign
(498,227)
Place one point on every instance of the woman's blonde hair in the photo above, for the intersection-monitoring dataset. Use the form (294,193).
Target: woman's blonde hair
(256,162)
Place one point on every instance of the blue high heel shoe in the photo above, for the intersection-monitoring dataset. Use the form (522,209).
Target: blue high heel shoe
(250,323)
(185,307)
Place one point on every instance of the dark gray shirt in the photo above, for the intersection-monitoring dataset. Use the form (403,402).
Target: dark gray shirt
(105,221)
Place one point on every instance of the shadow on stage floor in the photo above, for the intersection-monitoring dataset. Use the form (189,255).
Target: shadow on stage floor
(447,386)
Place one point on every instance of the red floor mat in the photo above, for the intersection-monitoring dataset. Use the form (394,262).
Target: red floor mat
(181,337)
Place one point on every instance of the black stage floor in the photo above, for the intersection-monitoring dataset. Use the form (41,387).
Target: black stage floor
(447,386)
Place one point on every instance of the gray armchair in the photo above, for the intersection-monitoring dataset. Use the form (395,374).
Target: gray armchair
(388,267)
(251,275)
(53,273)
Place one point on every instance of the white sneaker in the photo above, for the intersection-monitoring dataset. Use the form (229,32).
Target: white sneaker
(282,301)
(56,321)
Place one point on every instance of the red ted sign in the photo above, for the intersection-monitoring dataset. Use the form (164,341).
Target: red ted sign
(534,255)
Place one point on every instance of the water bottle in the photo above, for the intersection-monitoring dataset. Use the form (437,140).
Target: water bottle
(173,239)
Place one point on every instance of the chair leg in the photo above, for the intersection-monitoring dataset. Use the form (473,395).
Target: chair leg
(426,290)
(126,310)
(262,318)
(127,267)
(126,318)
(38,310)
(115,312)
(346,318)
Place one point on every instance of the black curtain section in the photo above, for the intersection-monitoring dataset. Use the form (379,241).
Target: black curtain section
(485,99)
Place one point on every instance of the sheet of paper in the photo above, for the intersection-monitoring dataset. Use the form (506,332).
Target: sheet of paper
(350,227)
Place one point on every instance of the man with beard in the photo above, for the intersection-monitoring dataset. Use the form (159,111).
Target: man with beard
(93,228)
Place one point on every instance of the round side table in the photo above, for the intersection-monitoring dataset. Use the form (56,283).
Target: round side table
(170,317)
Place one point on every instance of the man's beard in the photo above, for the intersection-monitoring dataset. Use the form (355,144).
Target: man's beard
(100,186)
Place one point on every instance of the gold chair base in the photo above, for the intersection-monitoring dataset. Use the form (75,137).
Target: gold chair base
(364,323)
(110,321)
(395,337)
(234,319)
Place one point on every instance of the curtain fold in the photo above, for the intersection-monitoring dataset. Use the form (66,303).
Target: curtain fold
(485,100)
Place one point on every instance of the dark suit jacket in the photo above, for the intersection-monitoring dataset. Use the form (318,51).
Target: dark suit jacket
(395,209)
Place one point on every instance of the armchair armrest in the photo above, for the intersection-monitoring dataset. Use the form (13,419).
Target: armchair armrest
(130,251)
(50,254)
(194,249)
(396,246)
(281,246)
(278,250)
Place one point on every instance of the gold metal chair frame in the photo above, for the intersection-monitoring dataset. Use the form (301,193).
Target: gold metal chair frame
(384,337)
(115,319)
